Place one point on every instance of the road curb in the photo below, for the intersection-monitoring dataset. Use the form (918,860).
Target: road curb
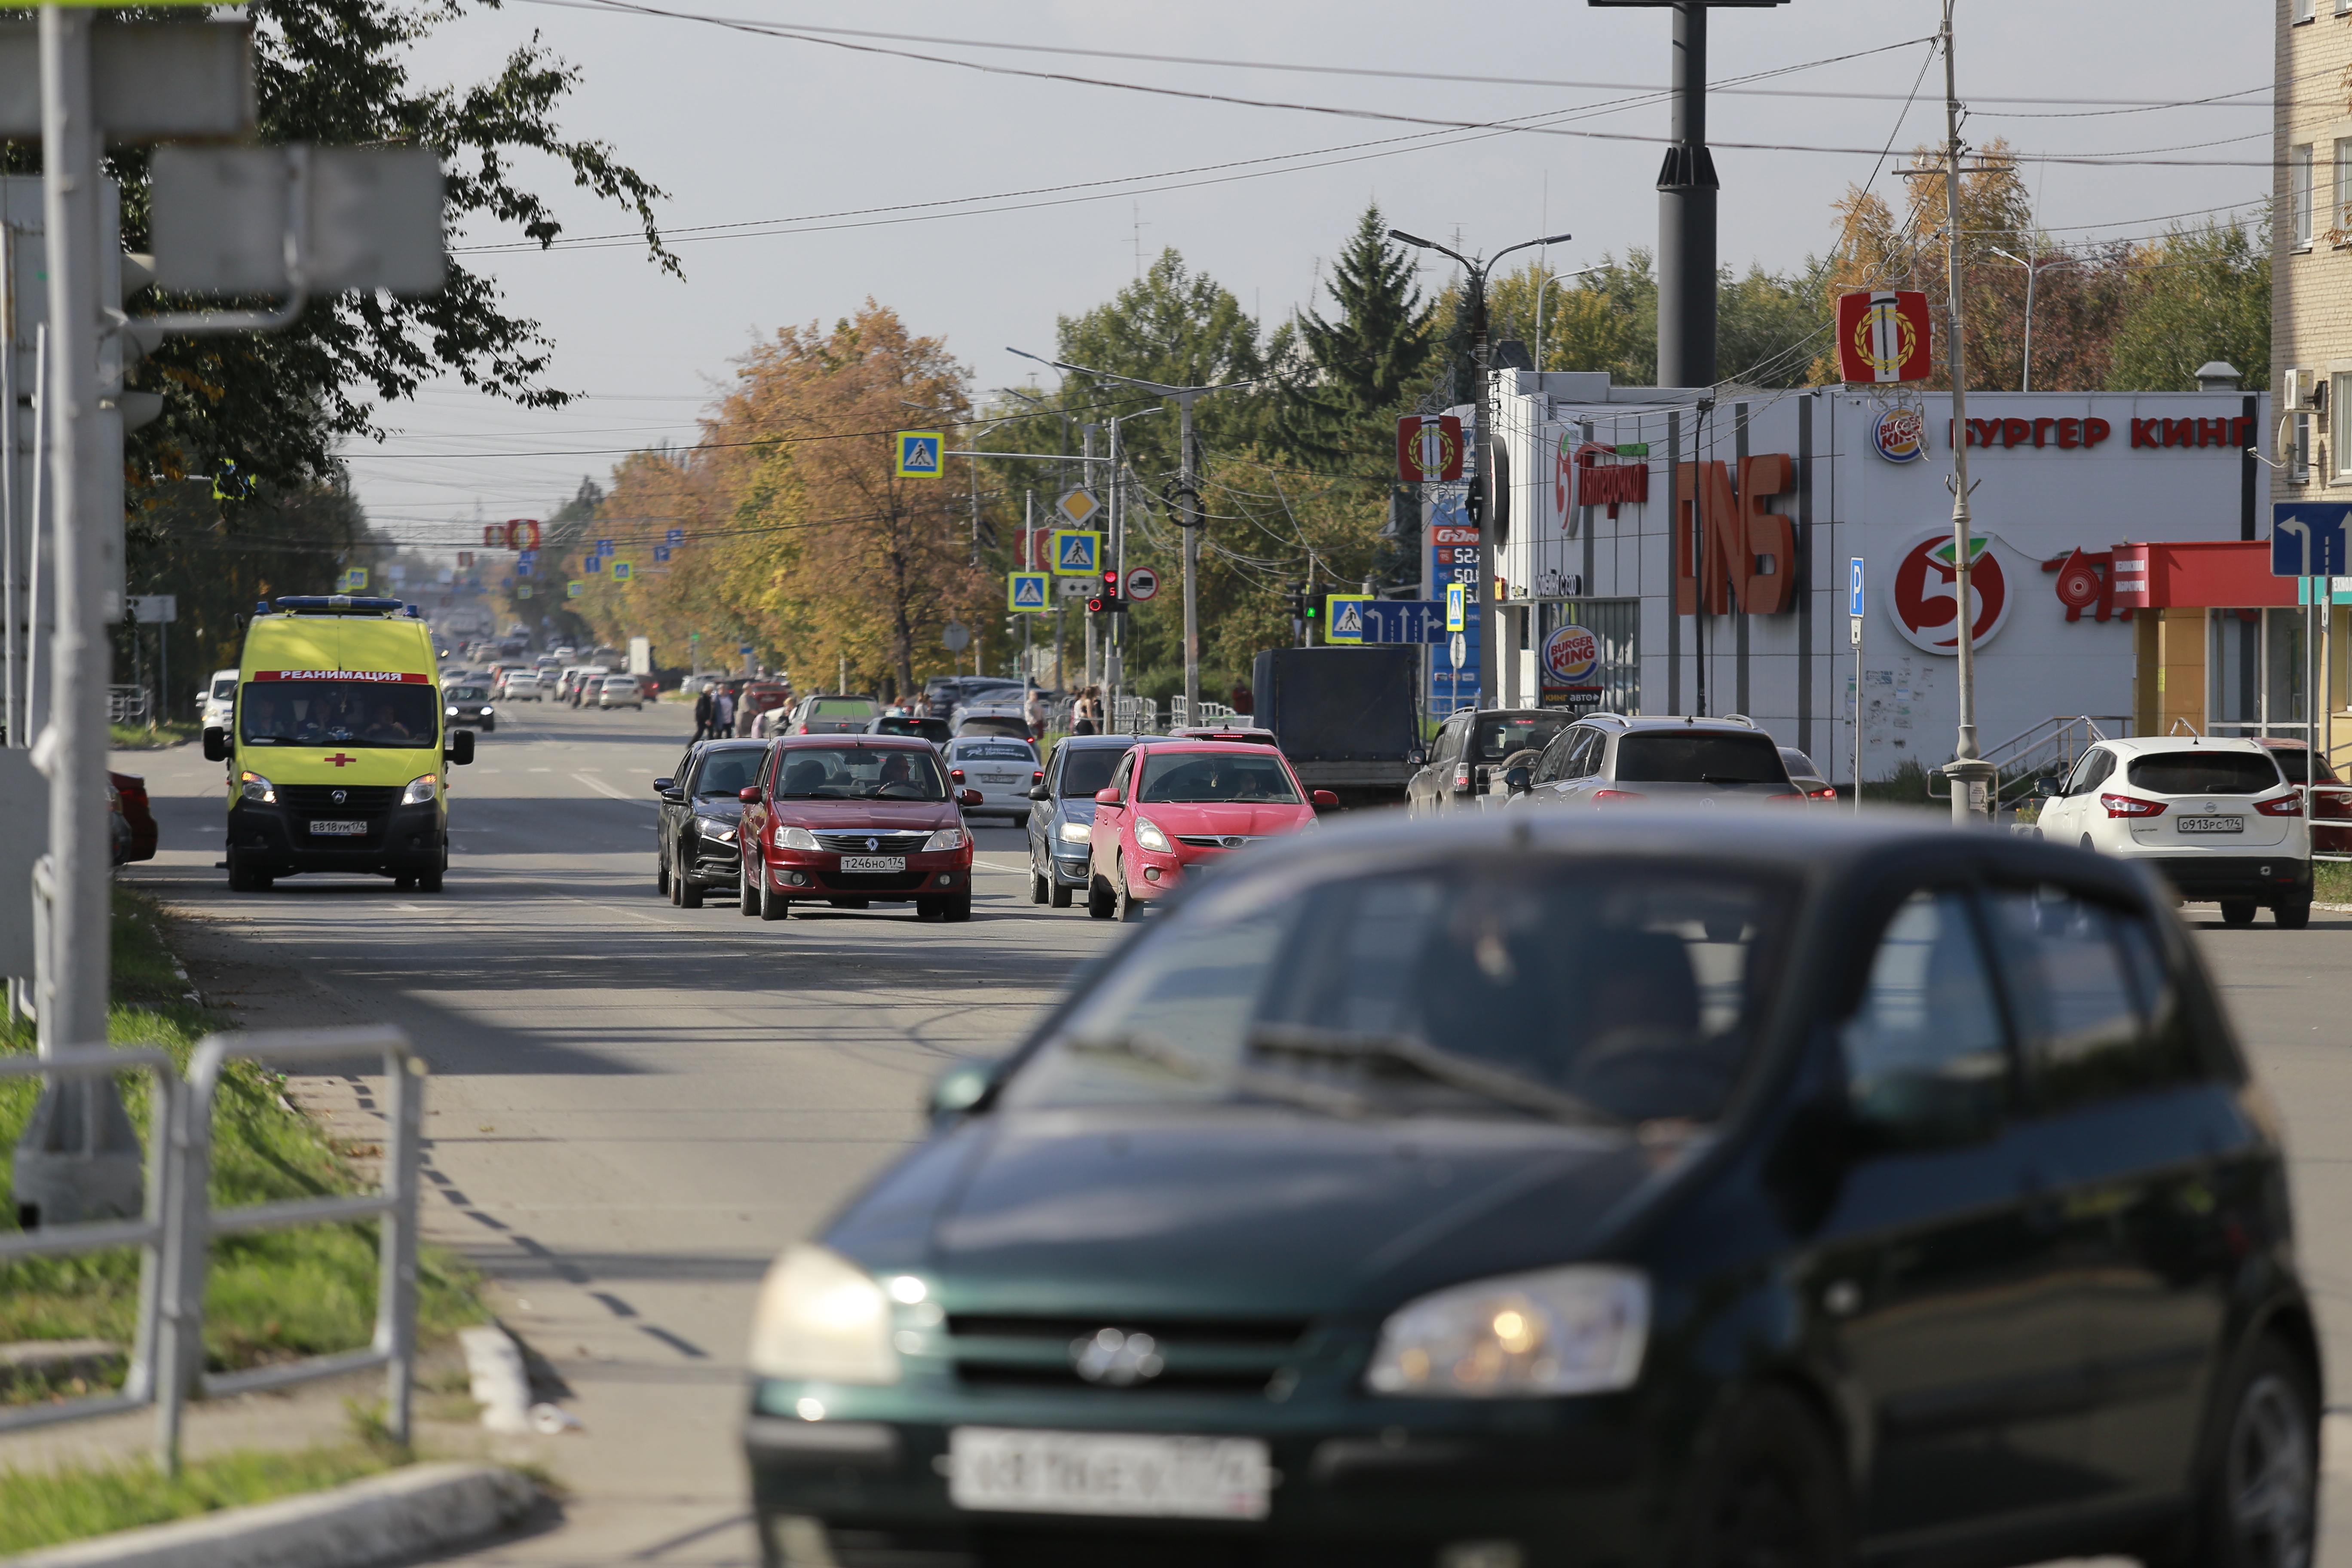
(382,1519)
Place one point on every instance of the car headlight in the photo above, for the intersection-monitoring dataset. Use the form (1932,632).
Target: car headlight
(258,789)
(724,831)
(1577,1330)
(486,712)
(945,838)
(420,790)
(451,712)
(791,837)
(822,1318)
(1077,832)
(1147,833)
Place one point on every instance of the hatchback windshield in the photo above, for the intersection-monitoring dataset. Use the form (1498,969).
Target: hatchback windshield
(1499,737)
(1191,778)
(347,712)
(1583,990)
(1699,757)
(2205,772)
(731,771)
(1087,769)
(859,772)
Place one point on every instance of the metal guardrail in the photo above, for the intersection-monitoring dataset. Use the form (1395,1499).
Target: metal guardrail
(395,1205)
(127,704)
(177,1232)
(152,1232)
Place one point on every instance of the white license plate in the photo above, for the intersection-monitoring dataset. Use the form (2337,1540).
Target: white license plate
(999,1470)
(340,829)
(2210,824)
(873,862)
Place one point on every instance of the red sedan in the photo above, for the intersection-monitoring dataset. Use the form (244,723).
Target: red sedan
(1174,804)
(852,821)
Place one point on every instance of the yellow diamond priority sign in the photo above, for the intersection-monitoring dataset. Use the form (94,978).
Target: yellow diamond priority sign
(1077,506)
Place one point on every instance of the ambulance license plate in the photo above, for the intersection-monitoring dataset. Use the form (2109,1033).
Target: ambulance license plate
(339,829)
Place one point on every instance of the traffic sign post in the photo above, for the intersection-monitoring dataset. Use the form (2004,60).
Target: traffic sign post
(674,536)
(919,454)
(955,636)
(623,571)
(1456,609)
(573,589)
(1029,592)
(1344,617)
(2308,538)
(1078,507)
(1142,583)
(1855,609)
(1078,552)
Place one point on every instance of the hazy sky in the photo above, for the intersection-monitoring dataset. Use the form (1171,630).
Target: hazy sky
(1053,188)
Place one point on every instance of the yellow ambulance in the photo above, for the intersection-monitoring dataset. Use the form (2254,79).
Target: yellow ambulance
(337,751)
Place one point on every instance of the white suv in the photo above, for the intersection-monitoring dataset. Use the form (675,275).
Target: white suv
(2217,817)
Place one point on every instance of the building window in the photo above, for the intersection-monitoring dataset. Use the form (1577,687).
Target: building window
(2298,194)
(2303,11)
(2340,427)
(2298,466)
(2340,221)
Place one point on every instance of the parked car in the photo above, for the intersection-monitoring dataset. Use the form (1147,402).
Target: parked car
(218,697)
(1174,808)
(1807,776)
(468,707)
(1000,769)
(1538,1189)
(2216,816)
(135,834)
(1608,759)
(2328,797)
(853,821)
(1062,814)
(694,848)
(935,731)
(831,714)
(1470,746)
(620,691)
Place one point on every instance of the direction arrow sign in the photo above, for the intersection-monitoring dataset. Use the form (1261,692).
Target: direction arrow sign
(1028,590)
(2308,538)
(1078,552)
(661,554)
(918,454)
(1404,620)
(674,536)
(1079,505)
(1142,583)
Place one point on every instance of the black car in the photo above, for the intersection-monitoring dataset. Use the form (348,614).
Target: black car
(1679,1187)
(700,803)
(469,707)
(935,731)
(1062,828)
(1470,747)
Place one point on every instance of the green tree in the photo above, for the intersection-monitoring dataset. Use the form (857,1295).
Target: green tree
(1363,369)
(335,72)
(2203,294)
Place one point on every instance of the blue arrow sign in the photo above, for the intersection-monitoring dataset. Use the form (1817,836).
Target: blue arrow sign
(1404,620)
(604,547)
(674,536)
(1853,600)
(661,552)
(2308,538)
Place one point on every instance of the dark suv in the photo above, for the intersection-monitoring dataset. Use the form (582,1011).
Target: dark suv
(1470,747)
(1545,1190)
(695,847)
(1061,829)
(1607,759)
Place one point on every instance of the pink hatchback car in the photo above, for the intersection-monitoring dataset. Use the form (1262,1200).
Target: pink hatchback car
(1175,804)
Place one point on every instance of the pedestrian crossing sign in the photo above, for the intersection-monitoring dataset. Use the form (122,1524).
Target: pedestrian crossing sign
(1077,551)
(354,580)
(623,571)
(1343,616)
(918,454)
(1029,591)
(1457,609)
(572,589)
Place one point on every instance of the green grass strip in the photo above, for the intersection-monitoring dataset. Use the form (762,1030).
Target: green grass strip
(47,1507)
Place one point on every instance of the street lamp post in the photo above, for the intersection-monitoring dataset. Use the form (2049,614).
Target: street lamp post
(1484,495)
(2032,270)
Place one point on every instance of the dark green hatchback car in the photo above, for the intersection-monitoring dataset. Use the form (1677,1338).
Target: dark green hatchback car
(1510,1192)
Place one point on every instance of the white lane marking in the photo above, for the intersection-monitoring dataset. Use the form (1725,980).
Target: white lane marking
(413,909)
(542,770)
(601,787)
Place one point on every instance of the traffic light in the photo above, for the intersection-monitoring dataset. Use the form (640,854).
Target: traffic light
(1106,601)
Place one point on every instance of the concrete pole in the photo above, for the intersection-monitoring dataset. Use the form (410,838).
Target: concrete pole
(1485,443)
(1687,196)
(1971,780)
(1188,519)
(73,1010)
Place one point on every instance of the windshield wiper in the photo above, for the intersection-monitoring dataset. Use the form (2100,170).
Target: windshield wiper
(1727,778)
(1153,1051)
(1431,1062)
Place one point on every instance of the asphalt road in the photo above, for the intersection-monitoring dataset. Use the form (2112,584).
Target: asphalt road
(634,1106)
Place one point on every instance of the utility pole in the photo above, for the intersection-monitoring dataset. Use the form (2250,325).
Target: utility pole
(1971,778)
(1686,196)
(1482,494)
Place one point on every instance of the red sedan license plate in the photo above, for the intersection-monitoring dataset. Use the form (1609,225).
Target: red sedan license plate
(873,862)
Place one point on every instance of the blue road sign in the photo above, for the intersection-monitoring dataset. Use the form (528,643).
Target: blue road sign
(743,648)
(604,547)
(1077,551)
(1853,600)
(661,552)
(1343,616)
(526,557)
(918,454)
(2308,538)
(1456,602)
(674,536)
(1404,620)
(523,568)
(595,564)
(1030,591)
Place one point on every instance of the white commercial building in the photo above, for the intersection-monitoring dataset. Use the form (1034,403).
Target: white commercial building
(1660,553)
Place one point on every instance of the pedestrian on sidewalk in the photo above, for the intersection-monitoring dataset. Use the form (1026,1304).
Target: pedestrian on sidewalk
(1035,712)
(723,714)
(702,714)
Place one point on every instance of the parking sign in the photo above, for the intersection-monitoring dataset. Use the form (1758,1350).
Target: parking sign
(1853,600)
